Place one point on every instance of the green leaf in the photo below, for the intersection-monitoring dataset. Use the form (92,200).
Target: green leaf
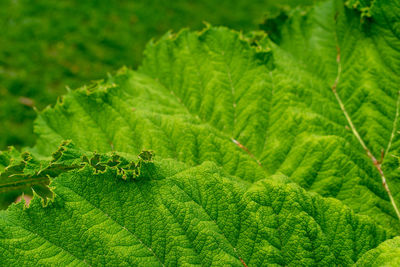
(32,174)
(248,133)
(257,109)
(98,37)
(12,185)
(386,254)
(173,214)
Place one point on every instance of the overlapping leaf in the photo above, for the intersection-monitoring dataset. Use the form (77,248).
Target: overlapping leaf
(24,173)
(256,108)
(172,214)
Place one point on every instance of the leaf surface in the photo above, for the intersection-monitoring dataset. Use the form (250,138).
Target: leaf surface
(267,150)
(172,214)
(257,109)
(386,254)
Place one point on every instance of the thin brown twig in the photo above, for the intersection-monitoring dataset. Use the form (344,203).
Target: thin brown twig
(377,164)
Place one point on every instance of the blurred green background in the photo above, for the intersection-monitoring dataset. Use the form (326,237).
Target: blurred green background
(46,45)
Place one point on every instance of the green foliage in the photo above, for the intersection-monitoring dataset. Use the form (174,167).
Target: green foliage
(48,45)
(173,214)
(254,110)
(26,173)
(259,143)
(386,254)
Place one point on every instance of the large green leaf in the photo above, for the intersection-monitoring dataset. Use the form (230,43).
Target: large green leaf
(254,128)
(256,108)
(172,214)
(49,45)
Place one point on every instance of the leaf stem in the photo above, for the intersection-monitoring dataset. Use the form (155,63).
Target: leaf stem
(36,179)
(377,164)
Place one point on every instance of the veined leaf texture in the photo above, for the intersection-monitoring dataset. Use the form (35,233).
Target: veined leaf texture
(259,144)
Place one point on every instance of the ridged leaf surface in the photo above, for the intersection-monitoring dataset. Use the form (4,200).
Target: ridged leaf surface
(260,109)
(268,150)
(172,214)
(386,254)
